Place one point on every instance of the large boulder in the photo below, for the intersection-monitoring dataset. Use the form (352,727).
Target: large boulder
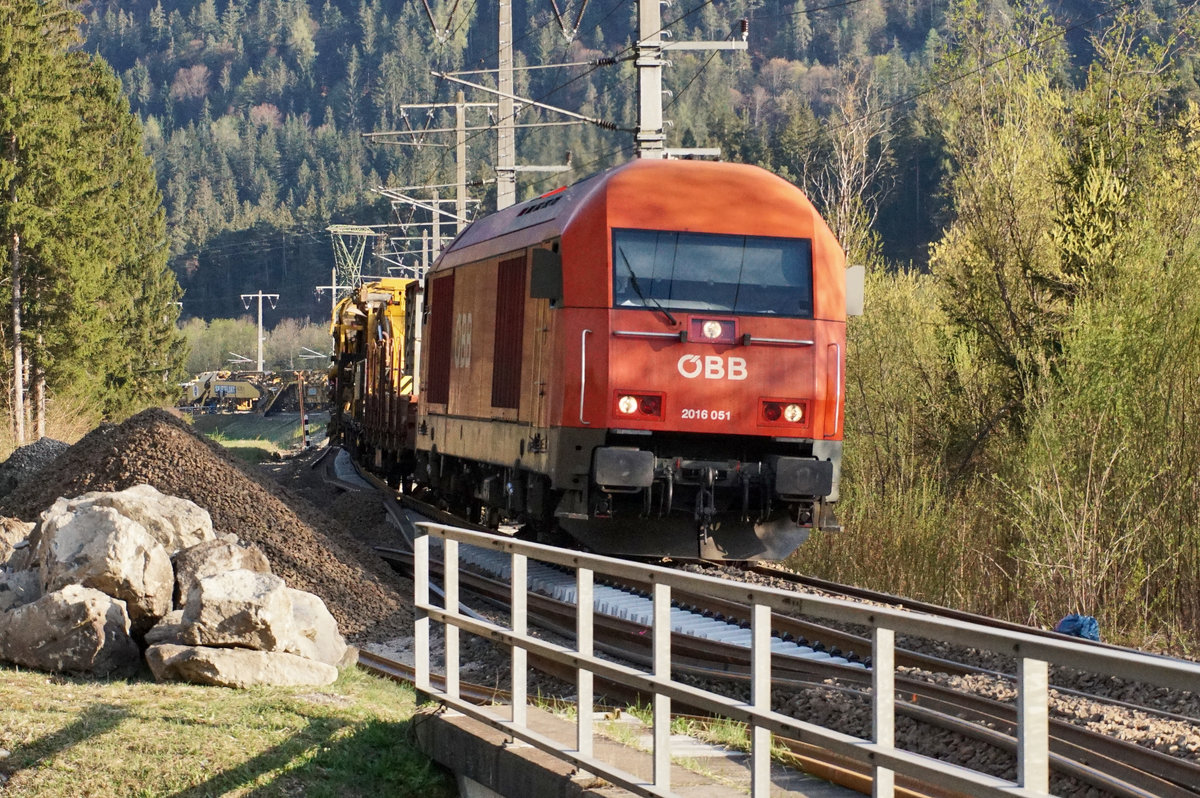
(18,588)
(313,633)
(212,557)
(239,608)
(169,629)
(317,635)
(98,547)
(14,537)
(235,667)
(176,523)
(74,630)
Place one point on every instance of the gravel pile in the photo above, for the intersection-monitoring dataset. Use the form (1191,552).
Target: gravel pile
(310,550)
(27,461)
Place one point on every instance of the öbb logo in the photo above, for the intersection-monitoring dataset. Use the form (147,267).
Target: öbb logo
(712,367)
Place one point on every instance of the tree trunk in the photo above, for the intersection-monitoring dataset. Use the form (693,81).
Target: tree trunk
(39,391)
(18,408)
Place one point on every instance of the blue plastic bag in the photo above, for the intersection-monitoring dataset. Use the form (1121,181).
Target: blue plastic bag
(1077,625)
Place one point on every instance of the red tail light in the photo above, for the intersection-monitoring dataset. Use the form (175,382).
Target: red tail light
(784,412)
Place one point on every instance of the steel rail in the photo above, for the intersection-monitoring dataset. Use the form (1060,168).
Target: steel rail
(397,671)
(948,612)
(913,605)
(1174,769)
(811,759)
(1117,767)
(840,640)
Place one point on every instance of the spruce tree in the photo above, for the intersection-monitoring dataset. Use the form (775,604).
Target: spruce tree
(34,137)
(93,305)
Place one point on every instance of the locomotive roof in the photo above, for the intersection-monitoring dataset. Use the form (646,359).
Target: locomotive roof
(527,223)
(546,217)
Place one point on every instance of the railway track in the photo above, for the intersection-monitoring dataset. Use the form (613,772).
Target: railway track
(793,753)
(1112,766)
(710,643)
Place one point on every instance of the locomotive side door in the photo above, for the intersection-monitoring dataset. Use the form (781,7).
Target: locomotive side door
(534,410)
(545,289)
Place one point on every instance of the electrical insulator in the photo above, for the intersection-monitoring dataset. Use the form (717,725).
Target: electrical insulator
(745,29)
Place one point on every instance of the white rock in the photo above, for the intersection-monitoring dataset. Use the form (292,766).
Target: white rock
(98,547)
(235,667)
(168,629)
(239,608)
(13,533)
(317,635)
(18,588)
(213,557)
(73,630)
(176,523)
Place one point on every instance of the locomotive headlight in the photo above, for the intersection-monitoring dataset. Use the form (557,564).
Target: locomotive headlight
(627,404)
(711,329)
(794,413)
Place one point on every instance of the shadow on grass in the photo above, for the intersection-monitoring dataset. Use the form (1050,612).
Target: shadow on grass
(332,758)
(94,721)
(251,455)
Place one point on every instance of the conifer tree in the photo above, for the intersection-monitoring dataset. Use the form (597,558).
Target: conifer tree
(33,134)
(92,300)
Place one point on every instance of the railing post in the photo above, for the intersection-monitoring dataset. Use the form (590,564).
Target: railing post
(421,617)
(760,683)
(450,588)
(520,587)
(584,617)
(662,703)
(883,688)
(1033,725)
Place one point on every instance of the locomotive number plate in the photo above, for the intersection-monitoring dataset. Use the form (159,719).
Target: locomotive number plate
(704,414)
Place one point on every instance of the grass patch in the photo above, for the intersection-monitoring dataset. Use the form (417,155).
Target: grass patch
(69,737)
(254,438)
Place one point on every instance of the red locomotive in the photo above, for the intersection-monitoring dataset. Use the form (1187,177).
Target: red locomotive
(651,360)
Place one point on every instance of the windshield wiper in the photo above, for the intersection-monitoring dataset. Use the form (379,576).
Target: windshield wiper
(637,289)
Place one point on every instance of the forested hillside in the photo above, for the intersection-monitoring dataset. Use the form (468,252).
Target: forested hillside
(254,108)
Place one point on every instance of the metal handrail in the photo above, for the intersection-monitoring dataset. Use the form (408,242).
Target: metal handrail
(879,753)
(583,373)
(837,396)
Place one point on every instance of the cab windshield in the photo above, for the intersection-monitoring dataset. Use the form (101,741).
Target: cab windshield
(752,275)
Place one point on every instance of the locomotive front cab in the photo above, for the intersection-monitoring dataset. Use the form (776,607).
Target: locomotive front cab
(723,404)
(715,369)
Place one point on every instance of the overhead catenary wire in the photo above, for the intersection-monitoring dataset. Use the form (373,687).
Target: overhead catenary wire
(923,92)
(271,243)
(608,61)
(624,55)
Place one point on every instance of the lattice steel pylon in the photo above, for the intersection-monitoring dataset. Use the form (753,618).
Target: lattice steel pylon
(349,246)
